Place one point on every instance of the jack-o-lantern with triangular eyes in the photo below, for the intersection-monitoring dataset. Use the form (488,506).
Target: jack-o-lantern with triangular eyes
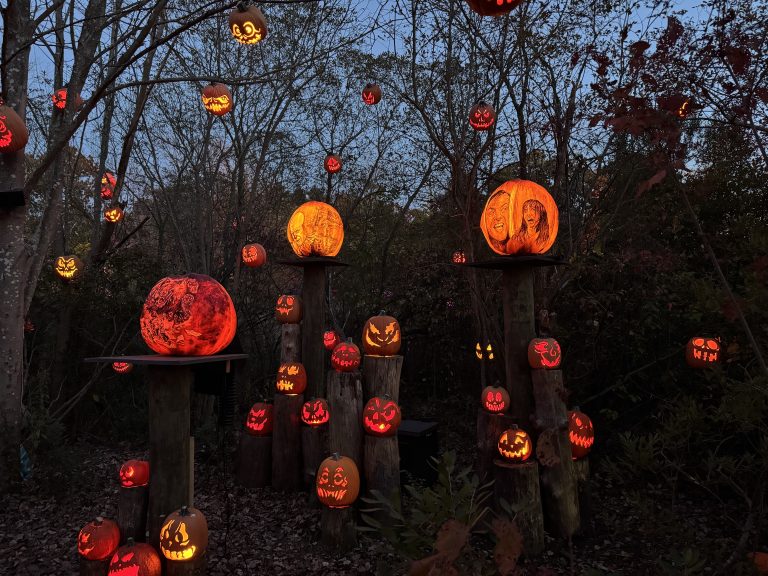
(581,433)
(288,309)
(332,163)
(291,378)
(184,535)
(372,94)
(114,214)
(702,352)
(482,116)
(14,134)
(98,539)
(68,268)
(254,255)
(345,357)
(122,367)
(484,352)
(495,399)
(337,482)
(247,24)
(381,416)
(134,473)
(515,445)
(260,419)
(544,353)
(330,339)
(315,412)
(217,99)
(135,559)
(381,335)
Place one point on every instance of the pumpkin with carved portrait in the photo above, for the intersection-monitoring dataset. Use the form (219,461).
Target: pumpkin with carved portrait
(371,94)
(381,416)
(14,134)
(247,24)
(217,99)
(135,559)
(291,378)
(515,445)
(98,539)
(315,412)
(381,335)
(544,353)
(254,255)
(114,214)
(68,268)
(520,217)
(332,163)
(581,433)
(190,315)
(260,419)
(184,535)
(59,99)
(493,7)
(495,399)
(122,367)
(345,357)
(315,229)
(330,339)
(134,473)
(337,482)
(702,352)
(108,183)
(288,309)
(482,116)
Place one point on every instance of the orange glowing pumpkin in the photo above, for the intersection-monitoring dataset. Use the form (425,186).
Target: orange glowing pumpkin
(184,535)
(98,539)
(254,255)
(291,378)
(217,99)
(315,229)
(113,215)
(701,352)
(332,163)
(515,445)
(337,482)
(247,24)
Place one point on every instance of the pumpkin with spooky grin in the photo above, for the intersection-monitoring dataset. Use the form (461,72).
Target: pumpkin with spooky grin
(217,99)
(98,539)
(381,335)
(458,257)
(337,482)
(701,352)
(381,416)
(254,255)
(544,353)
(495,399)
(345,357)
(247,24)
(315,229)
(68,268)
(135,559)
(122,367)
(515,445)
(184,535)
(134,473)
(14,134)
(482,116)
(330,339)
(260,419)
(315,412)
(291,378)
(288,309)
(484,353)
(372,94)
(581,433)
(113,215)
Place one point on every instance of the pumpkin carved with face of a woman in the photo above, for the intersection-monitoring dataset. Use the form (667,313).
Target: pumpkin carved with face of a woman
(337,482)
(315,229)
(184,535)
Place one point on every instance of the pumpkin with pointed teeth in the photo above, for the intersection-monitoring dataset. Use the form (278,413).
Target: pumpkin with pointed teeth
(337,482)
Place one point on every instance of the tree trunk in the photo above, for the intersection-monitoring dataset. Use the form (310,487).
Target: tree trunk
(345,402)
(132,513)
(518,486)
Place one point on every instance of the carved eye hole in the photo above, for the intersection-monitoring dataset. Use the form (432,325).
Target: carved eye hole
(698,341)
(498,396)
(128,557)
(289,300)
(490,396)
(578,421)
(713,344)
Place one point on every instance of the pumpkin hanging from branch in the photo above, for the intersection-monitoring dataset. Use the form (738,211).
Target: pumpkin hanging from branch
(493,7)
(134,473)
(345,357)
(330,339)
(515,445)
(544,353)
(189,315)
(114,214)
(702,352)
(371,94)
(135,559)
(495,399)
(260,419)
(337,482)
(381,416)
(59,99)
(14,134)
(332,163)
(381,335)
(184,535)
(108,183)
(482,116)
(315,229)
(254,255)
(315,412)
(217,99)
(247,24)
(68,268)
(288,309)
(291,378)
(458,257)
(581,433)
(98,539)
(122,367)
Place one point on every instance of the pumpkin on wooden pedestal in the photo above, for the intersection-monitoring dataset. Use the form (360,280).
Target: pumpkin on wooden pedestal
(260,419)
(189,315)
(68,268)
(515,445)
(59,99)
(371,94)
(495,399)
(482,116)
(381,416)
(114,214)
(98,539)
(254,255)
(381,335)
(520,217)
(458,257)
(484,352)
(291,378)
(122,367)
(315,412)
(332,163)
(702,352)
(217,99)
(108,183)
(330,339)
(184,535)
(247,24)
(544,353)
(345,357)
(135,559)
(134,473)
(581,433)
(337,482)
(315,229)
(289,309)
(493,7)
(14,134)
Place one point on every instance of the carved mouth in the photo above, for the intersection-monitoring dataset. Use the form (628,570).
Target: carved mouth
(337,494)
(284,385)
(249,34)
(494,407)
(380,427)
(254,426)
(513,454)
(582,441)
(482,125)
(704,355)
(283,311)
(125,571)
(185,554)
(368,98)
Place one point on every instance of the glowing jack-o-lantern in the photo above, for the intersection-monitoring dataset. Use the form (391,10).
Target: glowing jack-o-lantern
(254,255)
(458,257)
(108,183)
(98,539)
(495,399)
(381,416)
(134,473)
(520,217)
(135,559)
(68,268)
(217,99)
(247,24)
(345,357)
(381,335)
(581,433)
(189,315)
(330,339)
(493,7)
(701,352)
(288,309)
(260,419)
(315,229)
(122,367)
(59,99)
(544,353)
(184,535)
(332,163)
(515,445)
(337,482)
(114,214)
(315,412)
(482,116)
(13,132)
(291,378)
(372,94)
(484,352)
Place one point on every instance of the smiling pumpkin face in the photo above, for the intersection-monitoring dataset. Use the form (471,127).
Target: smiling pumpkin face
(288,309)
(515,445)
(184,535)
(291,378)
(113,215)
(217,99)
(544,353)
(332,163)
(581,433)
(495,399)
(247,24)
(482,116)
(701,352)
(381,416)
(337,482)
(254,255)
(381,336)
(345,357)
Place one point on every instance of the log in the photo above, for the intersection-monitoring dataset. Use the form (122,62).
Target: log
(94,567)
(489,429)
(345,401)
(286,443)
(132,512)
(382,471)
(338,527)
(518,486)
(381,375)
(195,567)
(290,344)
(312,327)
(581,469)
(314,446)
(254,461)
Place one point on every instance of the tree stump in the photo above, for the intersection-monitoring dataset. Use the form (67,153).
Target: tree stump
(286,443)
(254,461)
(195,567)
(290,343)
(312,327)
(381,375)
(345,400)
(338,528)
(489,429)
(382,470)
(518,486)
(132,512)
(314,444)
(94,567)
(581,469)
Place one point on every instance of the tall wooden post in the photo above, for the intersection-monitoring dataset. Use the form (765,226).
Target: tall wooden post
(254,461)
(286,433)
(313,325)
(132,512)
(314,446)
(518,486)
(345,399)
(489,429)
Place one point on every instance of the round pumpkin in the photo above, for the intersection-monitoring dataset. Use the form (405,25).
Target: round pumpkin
(581,433)
(515,445)
(134,473)
(482,116)
(330,339)
(59,99)
(68,268)
(458,257)
(14,134)
(217,99)
(332,163)
(544,353)
(493,7)
(247,24)
(381,416)
(254,255)
(315,229)
(495,399)
(702,352)
(98,539)
(189,315)
(114,214)
(371,94)
(291,378)
(337,482)
(520,217)
(260,419)
(315,412)
(135,559)
(381,335)
(108,182)
(184,535)
(345,357)
(122,367)
(288,309)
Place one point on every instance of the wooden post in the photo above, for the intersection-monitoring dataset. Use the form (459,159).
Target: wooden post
(518,486)
(313,325)
(345,400)
(489,429)
(381,375)
(581,470)
(338,528)
(286,443)
(290,344)
(254,465)
(94,567)
(195,567)
(314,446)
(132,512)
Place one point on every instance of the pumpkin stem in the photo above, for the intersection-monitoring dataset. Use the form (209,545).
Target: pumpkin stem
(336,456)
(382,312)
(241,6)
(98,520)
(184,511)
(576,409)
(130,541)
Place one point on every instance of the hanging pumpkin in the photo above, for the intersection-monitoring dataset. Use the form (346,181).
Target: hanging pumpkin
(68,268)
(217,99)
(482,116)
(13,132)
(493,7)
(332,163)
(288,309)
(59,99)
(254,255)
(189,315)
(495,399)
(381,335)
(544,353)
(98,539)
(114,214)
(381,416)
(702,352)
(515,445)
(247,24)
(260,419)
(484,353)
(134,473)
(108,182)
(458,257)
(184,534)
(520,217)
(135,559)
(330,339)
(371,94)
(291,378)
(315,412)
(122,367)
(337,482)
(345,357)
(581,433)
(315,229)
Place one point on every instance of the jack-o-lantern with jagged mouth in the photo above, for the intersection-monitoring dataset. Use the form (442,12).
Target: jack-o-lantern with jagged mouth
(581,433)
(288,309)
(247,24)
(381,335)
(701,352)
(291,378)
(122,367)
(135,559)
(495,399)
(68,268)
(113,215)
(332,163)
(544,353)
(515,445)
(330,339)
(337,482)
(260,419)
(217,99)
(372,94)
(484,352)
(315,412)
(98,539)
(184,535)
(134,473)
(381,416)
(254,255)
(345,357)
(482,116)
(459,257)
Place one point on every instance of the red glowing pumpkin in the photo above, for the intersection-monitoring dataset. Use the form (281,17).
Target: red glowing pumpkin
(122,367)
(459,257)
(254,255)
(372,94)
(98,539)
(381,416)
(134,473)
(260,419)
(330,339)
(493,7)
(495,399)
(345,357)
(581,433)
(482,116)
(108,182)
(13,132)
(544,353)
(701,352)
(59,99)
(135,559)
(332,163)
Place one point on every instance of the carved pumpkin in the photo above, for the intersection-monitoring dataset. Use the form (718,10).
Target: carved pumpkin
(484,353)
(135,559)
(247,24)
(544,353)
(122,367)
(337,482)
(28,325)
(113,214)
(217,99)
(332,163)
(291,378)
(458,257)
(13,132)
(254,255)
(482,116)
(59,99)
(189,315)
(260,419)
(98,539)
(345,357)
(495,399)
(372,94)
(315,229)
(515,445)
(134,473)
(520,217)
(315,412)
(381,335)
(581,433)
(288,309)
(184,534)
(68,268)
(381,416)
(701,352)
(108,183)
(493,7)
(330,339)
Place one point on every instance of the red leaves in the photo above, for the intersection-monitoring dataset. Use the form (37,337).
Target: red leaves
(509,545)
(636,51)
(603,62)
(451,539)
(738,58)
